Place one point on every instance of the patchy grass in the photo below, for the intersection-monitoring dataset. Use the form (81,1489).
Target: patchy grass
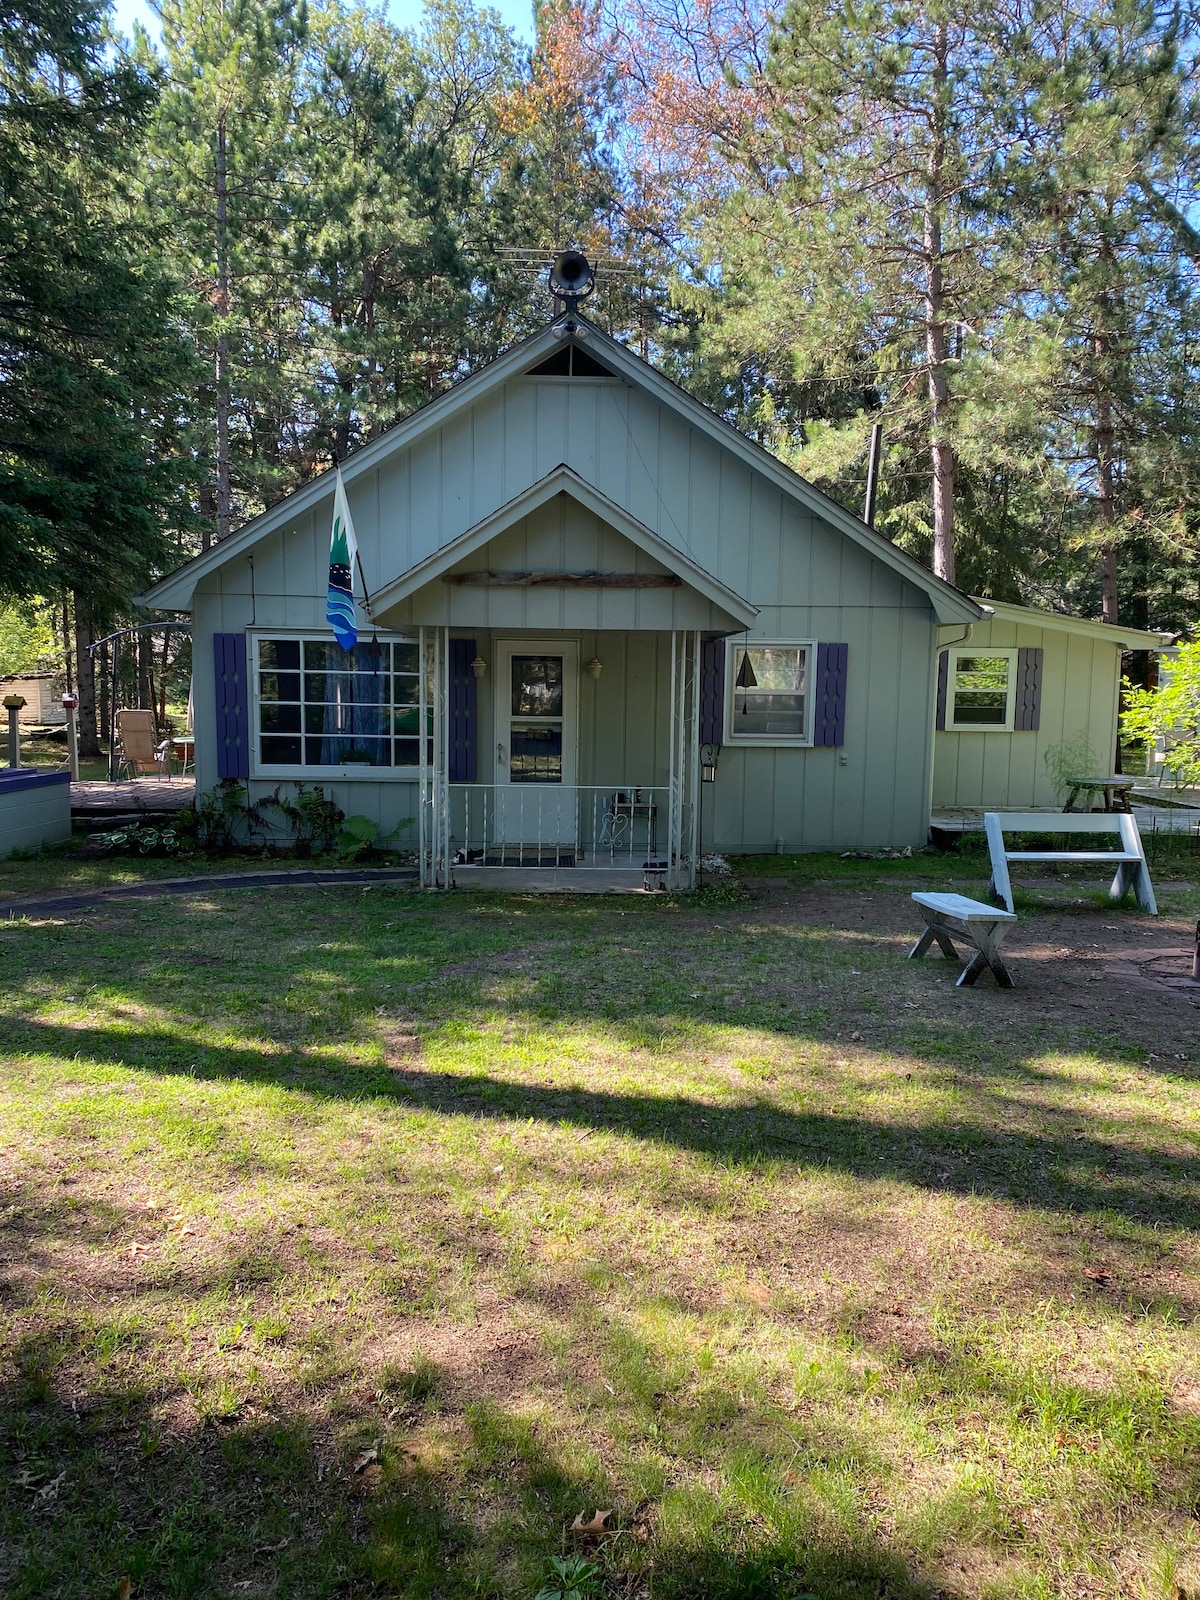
(357,1241)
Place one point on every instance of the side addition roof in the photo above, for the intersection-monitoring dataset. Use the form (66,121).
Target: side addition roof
(1123,638)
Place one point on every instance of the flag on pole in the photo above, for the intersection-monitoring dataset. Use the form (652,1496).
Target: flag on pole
(343,552)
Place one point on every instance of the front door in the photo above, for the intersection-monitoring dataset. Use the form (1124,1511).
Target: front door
(537,705)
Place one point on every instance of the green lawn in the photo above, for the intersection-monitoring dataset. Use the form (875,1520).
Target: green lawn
(357,1240)
(50,750)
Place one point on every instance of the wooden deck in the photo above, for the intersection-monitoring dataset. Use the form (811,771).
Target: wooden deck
(955,820)
(98,798)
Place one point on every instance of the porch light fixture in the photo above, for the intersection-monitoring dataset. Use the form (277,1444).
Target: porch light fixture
(746,680)
(708,762)
(595,667)
(479,666)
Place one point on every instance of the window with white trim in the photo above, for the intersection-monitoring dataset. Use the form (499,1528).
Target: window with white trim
(321,707)
(767,696)
(980,690)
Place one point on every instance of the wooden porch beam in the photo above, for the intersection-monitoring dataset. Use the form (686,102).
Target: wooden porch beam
(490,578)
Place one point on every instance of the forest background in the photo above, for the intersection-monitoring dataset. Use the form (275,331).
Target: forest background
(236,250)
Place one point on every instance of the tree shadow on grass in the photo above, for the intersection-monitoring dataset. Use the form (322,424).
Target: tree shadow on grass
(1059,1168)
(110,1481)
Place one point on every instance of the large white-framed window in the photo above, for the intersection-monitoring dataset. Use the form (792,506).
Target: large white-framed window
(768,699)
(319,710)
(981,690)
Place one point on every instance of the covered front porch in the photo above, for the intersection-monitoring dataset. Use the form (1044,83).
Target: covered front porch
(571,755)
(560,642)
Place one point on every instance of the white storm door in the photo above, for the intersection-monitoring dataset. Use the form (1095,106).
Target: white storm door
(537,725)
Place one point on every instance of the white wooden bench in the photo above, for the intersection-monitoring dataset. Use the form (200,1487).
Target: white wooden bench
(953,916)
(1130,859)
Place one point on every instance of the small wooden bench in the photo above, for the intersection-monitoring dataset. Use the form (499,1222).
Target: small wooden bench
(953,916)
(1130,859)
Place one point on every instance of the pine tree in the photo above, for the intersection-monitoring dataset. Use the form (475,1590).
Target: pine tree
(91,364)
(221,170)
(1112,148)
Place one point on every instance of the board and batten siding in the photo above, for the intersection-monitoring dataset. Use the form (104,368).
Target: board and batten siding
(809,582)
(1080,681)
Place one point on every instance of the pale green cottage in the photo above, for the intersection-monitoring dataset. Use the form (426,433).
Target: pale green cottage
(593,594)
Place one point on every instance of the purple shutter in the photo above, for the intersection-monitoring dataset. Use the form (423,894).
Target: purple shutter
(829,681)
(1027,709)
(943,688)
(233,705)
(712,691)
(464,723)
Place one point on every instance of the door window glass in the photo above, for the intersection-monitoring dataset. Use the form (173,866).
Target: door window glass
(537,686)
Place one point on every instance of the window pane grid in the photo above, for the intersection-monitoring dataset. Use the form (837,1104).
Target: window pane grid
(321,706)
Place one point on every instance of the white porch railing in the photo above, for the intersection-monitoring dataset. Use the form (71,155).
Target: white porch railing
(597,826)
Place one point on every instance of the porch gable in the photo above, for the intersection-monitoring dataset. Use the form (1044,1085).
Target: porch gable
(562,554)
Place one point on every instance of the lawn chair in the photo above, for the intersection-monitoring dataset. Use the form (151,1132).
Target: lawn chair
(141,752)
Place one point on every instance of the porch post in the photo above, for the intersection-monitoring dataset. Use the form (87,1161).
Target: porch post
(681,757)
(443,688)
(694,842)
(422,763)
(672,828)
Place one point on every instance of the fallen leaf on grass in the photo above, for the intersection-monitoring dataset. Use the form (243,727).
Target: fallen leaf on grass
(596,1529)
(369,1455)
(125,1589)
(1097,1274)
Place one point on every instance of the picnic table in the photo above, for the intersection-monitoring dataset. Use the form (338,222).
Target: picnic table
(1115,790)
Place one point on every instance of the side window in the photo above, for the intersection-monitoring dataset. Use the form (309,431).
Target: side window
(768,694)
(980,690)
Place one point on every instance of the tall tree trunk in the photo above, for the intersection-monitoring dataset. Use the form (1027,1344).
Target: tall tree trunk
(68,644)
(145,671)
(224,492)
(104,691)
(1106,486)
(162,684)
(936,346)
(85,677)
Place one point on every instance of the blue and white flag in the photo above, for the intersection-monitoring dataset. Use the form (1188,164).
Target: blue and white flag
(343,552)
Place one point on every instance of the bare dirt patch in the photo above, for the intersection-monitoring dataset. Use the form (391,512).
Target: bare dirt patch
(1105,962)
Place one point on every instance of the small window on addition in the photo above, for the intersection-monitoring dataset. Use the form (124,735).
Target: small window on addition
(769,699)
(981,691)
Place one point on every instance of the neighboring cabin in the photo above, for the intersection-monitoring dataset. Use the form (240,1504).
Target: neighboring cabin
(590,592)
(42,693)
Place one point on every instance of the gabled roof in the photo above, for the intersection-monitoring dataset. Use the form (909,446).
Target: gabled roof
(949,604)
(565,480)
